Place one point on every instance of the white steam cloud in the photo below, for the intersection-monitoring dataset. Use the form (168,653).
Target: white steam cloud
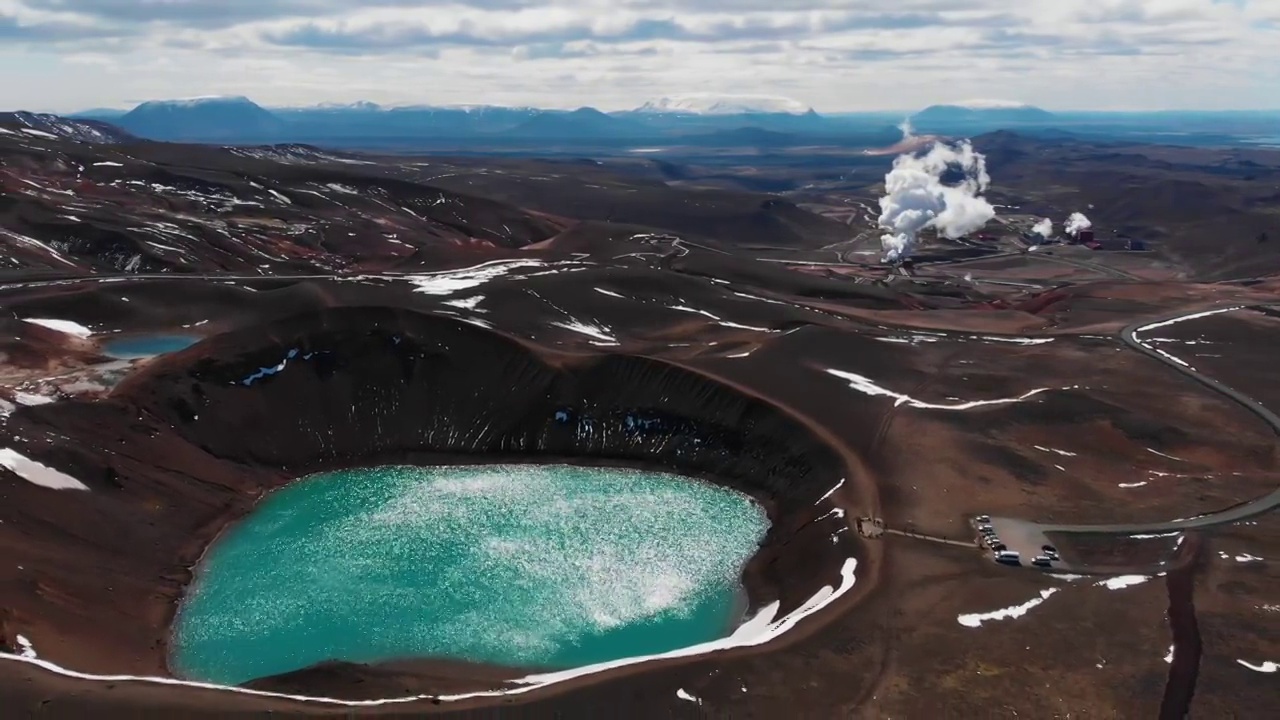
(1076,223)
(908,132)
(916,197)
(1044,228)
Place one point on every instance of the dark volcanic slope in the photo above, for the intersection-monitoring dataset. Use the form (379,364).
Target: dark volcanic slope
(81,196)
(152,207)
(1214,211)
(590,192)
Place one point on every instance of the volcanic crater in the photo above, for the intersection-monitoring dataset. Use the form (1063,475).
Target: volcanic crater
(202,433)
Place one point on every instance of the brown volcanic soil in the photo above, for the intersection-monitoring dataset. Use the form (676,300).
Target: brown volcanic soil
(718,348)
(182,446)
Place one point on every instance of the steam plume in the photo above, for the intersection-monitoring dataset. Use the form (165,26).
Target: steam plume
(916,197)
(908,132)
(1076,223)
(1044,228)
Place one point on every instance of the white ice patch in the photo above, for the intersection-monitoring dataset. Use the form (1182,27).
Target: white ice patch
(1184,318)
(685,308)
(686,696)
(25,649)
(1266,667)
(1242,558)
(1063,453)
(831,491)
(760,629)
(447,282)
(738,326)
(610,293)
(594,331)
(467,303)
(865,385)
(1016,340)
(107,163)
(37,474)
(62,326)
(1168,657)
(974,620)
(30,400)
(1131,485)
(1123,581)
(1157,452)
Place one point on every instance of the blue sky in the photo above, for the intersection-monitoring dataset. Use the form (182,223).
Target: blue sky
(834,55)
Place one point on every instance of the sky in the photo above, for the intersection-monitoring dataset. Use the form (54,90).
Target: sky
(834,55)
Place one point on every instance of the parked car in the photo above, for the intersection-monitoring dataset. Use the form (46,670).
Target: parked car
(1008,557)
(982,519)
(1041,561)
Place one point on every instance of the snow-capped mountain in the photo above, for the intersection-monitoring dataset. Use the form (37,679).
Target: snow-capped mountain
(50,127)
(201,100)
(715,104)
(359,105)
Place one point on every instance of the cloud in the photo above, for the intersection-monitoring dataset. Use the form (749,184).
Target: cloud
(227,13)
(14,29)
(833,54)
(523,28)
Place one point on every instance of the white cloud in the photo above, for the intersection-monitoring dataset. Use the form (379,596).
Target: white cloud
(832,54)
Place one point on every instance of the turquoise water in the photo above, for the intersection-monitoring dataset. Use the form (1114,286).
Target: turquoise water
(528,565)
(130,348)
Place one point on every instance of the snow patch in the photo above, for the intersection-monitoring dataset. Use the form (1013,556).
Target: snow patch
(35,473)
(447,282)
(467,303)
(62,326)
(1266,667)
(976,619)
(865,385)
(595,331)
(30,400)
(1123,581)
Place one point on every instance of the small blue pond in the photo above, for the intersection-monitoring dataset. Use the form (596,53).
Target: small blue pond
(145,346)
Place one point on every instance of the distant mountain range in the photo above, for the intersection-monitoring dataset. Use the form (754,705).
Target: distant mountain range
(709,104)
(985,114)
(237,119)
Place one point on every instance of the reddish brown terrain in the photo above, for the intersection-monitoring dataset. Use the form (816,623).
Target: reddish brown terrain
(482,310)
